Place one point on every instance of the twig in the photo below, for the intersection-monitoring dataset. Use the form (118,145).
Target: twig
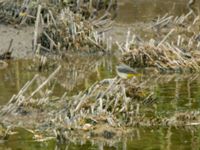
(10,45)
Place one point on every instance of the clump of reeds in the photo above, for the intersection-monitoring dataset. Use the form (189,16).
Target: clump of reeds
(18,12)
(111,99)
(25,11)
(102,110)
(71,32)
(165,58)
(64,26)
(175,47)
(110,102)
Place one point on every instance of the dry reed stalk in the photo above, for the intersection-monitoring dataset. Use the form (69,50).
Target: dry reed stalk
(36,27)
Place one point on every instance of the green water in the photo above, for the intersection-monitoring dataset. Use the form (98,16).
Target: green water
(77,73)
(143,138)
(175,93)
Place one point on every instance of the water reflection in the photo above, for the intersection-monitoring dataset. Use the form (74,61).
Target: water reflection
(175,92)
(12,79)
(78,73)
(142,138)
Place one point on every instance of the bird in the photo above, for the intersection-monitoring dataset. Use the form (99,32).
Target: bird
(125,71)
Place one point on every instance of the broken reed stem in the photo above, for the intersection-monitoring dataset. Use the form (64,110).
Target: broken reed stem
(36,27)
(10,45)
(26,86)
(98,45)
(14,101)
(165,38)
(50,39)
(53,20)
(45,82)
(115,81)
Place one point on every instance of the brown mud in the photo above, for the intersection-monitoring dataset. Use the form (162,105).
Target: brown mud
(22,40)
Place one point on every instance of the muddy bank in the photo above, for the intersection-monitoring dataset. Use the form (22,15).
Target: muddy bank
(22,40)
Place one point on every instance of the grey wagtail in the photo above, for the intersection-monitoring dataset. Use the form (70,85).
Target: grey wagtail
(125,71)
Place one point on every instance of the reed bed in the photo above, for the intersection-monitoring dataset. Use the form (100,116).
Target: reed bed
(81,112)
(63,26)
(18,11)
(104,109)
(174,48)
(25,11)
(71,32)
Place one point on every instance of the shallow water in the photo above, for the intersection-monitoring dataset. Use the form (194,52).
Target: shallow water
(175,93)
(143,138)
(77,74)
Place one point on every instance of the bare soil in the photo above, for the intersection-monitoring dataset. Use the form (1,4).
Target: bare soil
(22,40)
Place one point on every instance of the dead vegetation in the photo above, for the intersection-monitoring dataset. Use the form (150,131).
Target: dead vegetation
(111,103)
(174,48)
(102,110)
(71,32)
(63,26)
